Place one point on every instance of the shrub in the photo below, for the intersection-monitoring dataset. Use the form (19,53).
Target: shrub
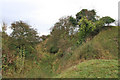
(53,49)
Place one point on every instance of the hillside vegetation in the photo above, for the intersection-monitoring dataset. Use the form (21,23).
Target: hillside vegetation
(98,60)
(102,46)
(76,47)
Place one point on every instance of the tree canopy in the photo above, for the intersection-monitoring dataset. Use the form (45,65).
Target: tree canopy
(107,20)
(24,36)
(89,14)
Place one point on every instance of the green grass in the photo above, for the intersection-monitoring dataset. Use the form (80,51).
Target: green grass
(92,69)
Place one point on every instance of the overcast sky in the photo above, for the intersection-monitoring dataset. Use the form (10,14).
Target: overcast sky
(43,14)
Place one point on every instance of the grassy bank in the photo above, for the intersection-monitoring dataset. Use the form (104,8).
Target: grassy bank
(92,69)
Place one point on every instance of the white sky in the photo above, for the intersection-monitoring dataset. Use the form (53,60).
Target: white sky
(43,14)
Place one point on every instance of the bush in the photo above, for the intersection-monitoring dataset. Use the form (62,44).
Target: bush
(53,49)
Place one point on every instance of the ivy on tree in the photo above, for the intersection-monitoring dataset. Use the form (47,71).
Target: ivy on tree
(86,27)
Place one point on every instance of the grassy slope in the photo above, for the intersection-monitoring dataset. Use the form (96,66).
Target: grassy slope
(102,46)
(92,69)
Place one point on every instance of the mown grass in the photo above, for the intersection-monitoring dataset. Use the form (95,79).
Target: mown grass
(92,69)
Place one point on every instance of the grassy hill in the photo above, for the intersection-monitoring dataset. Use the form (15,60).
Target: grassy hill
(96,58)
(92,69)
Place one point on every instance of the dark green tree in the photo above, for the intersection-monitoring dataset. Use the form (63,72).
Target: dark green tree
(23,37)
(89,14)
(107,20)
(73,21)
(60,35)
